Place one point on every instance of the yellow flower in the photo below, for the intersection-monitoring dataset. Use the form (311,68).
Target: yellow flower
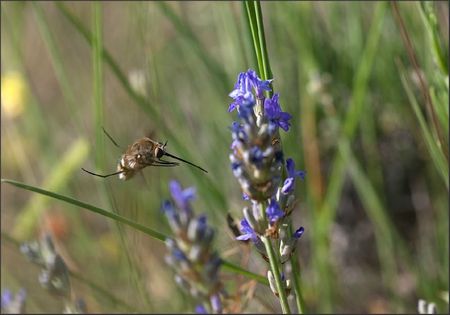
(13,94)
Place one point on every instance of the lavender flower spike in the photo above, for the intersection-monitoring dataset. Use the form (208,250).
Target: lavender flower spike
(54,274)
(257,163)
(191,255)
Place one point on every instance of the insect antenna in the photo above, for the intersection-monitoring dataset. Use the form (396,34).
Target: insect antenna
(100,175)
(182,160)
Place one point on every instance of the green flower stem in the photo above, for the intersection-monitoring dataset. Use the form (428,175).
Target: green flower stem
(249,9)
(265,65)
(274,266)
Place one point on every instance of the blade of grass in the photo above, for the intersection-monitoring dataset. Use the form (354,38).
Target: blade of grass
(432,146)
(140,100)
(370,145)
(58,65)
(328,208)
(387,241)
(425,92)
(439,96)
(236,269)
(89,207)
(183,28)
(35,122)
(156,235)
(432,27)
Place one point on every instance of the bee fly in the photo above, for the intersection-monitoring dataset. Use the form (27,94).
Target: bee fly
(142,153)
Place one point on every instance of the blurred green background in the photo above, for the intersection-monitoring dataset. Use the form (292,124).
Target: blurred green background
(369,128)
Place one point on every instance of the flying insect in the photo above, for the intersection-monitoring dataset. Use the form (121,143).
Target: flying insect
(142,153)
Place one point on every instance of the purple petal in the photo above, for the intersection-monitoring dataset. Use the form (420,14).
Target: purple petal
(181,197)
(232,107)
(288,185)
(200,309)
(290,165)
(244,237)
(300,174)
(299,232)
(6,298)
(274,212)
(216,303)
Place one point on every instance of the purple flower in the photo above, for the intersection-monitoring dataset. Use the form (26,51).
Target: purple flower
(198,228)
(247,83)
(256,155)
(181,197)
(242,93)
(178,254)
(258,84)
(11,304)
(274,212)
(235,166)
(289,183)
(273,111)
(247,232)
(168,209)
(6,299)
(200,309)
(236,127)
(290,165)
(298,233)
(216,303)
(172,215)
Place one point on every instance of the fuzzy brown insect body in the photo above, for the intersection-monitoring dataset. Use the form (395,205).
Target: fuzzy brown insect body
(142,153)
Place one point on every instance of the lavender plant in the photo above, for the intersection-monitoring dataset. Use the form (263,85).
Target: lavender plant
(54,275)
(258,163)
(191,255)
(13,304)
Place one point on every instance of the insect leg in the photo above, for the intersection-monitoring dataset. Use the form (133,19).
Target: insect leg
(110,138)
(100,175)
(165,163)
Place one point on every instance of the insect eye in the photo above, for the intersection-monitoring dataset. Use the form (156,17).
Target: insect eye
(159,153)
